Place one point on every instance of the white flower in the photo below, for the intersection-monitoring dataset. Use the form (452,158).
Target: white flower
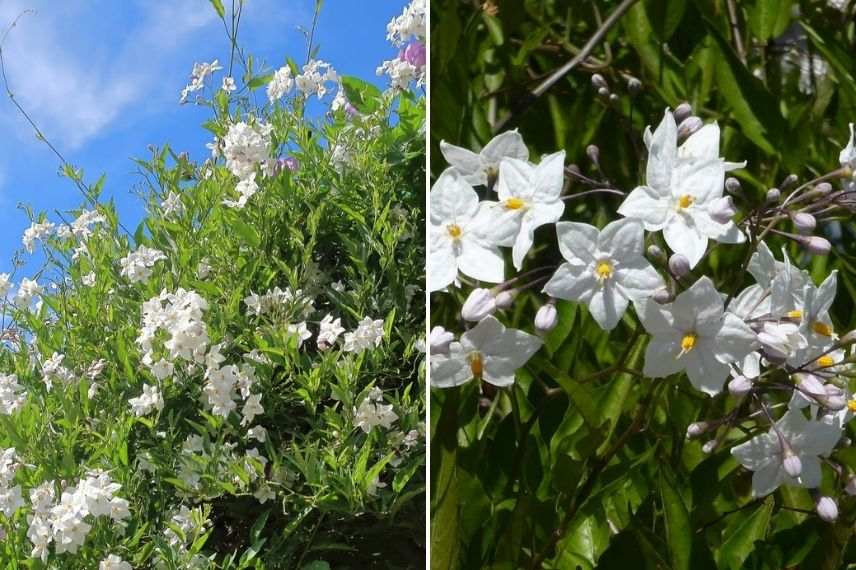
(137,265)
(12,394)
(197,78)
(460,236)
(529,199)
(149,400)
(488,351)
(793,435)
(245,147)
(114,562)
(264,494)
(258,433)
(372,412)
(10,500)
(313,79)
(605,269)
(246,189)
(301,331)
(252,408)
(681,191)
(483,168)
(439,340)
(695,334)
(27,290)
(88,280)
(330,331)
(5,284)
(36,231)
(280,84)
(410,24)
(847,156)
(171,205)
(228,85)
(785,282)
(368,334)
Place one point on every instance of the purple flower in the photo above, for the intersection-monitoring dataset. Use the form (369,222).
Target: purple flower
(290,163)
(414,54)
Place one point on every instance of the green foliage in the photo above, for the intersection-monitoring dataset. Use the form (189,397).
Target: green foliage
(584,463)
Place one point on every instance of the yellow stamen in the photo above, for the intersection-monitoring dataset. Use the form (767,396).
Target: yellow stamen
(603,270)
(795,314)
(825,361)
(822,329)
(476,364)
(454,230)
(514,203)
(685,201)
(851,405)
(688,342)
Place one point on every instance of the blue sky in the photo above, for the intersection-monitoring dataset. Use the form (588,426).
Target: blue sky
(102,79)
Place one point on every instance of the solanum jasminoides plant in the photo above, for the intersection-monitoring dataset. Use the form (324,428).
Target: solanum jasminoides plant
(644,359)
(239,382)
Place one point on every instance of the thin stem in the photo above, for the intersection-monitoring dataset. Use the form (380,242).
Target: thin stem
(594,191)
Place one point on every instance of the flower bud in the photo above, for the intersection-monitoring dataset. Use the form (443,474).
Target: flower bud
(739,386)
(811,387)
(593,153)
(850,488)
(634,86)
(478,305)
(827,509)
(679,265)
(613,98)
(682,111)
(804,222)
(722,209)
(546,318)
(773,196)
(603,92)
(439,340)
(709,447)
(504,299)
(696,429)
(848,338)
(815,245)
(662,296)
(823,188)
(789,181)
(599,82)
(732,185)
(655,253)
(836,398)
(689,126)
(792,464)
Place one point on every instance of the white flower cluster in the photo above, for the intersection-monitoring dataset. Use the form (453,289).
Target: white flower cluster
(81,227)
(53,369)
(10,494)
(222,385)
(27,291)
(171,206)
(411,24)
(179,315)
(197,78)
(114,562)
(368,334)
(149,400)
(12,394)
(409,66)
(65,523)
(780,324)
(276,298)
(372,412)
(37,231)
(137,265)
(245,148)
(281,84)
(314,78)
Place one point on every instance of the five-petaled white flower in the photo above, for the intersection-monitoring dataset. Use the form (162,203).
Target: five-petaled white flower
(683,194)
(483,168)
(529,197)
(792,436)
(605,269)
(459,236)
(695,334)
(489,351)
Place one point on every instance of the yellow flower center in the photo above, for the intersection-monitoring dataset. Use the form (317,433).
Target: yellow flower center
(603,270)
(822,329)
(825,361)
(454,230)
(476,364)
(688,342)
(685,201)
(514,203)
(795,314)
(851,405)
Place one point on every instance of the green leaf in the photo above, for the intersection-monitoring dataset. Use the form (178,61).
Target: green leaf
(218,5)
(364,96)
(259,81)
(740,541)
(769,18)
(665,16)
(579,394)
(679,532)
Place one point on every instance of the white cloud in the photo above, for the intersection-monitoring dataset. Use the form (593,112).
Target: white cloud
(75,89)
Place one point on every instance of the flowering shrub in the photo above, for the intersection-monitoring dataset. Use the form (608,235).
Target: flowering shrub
(641,351)
(238,383)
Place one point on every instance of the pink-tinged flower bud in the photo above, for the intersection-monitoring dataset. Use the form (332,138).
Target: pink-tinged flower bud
(478,305)
(439,340)
(815,244)
(739,386)
(351,110)
(634,86)
(836,398)
(792,464)
(656,254)
(414,54)
(599,82)
(662,296)
(823,188)
(603,92)
(697,429)
(773,196)
(811,387)
(546,318)
(689,126)
(709,447)
(288,163)
(722,209)
(679,265)
(504,299)
(682,111)
(732,185)
(850,488)
(789,181)
(804,222)
(827,509)
(848,338)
